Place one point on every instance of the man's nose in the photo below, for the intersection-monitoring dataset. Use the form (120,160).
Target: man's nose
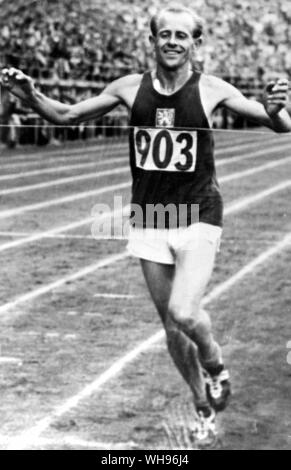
(172,40)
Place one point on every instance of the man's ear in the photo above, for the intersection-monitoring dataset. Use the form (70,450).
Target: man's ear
(197,43)
(152,40)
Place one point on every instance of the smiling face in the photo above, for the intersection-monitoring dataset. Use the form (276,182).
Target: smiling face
(173,42)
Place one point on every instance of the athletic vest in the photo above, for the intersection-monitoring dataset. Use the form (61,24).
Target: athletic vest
(172,161)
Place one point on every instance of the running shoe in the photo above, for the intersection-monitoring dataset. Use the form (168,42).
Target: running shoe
(204,433)
(218,387)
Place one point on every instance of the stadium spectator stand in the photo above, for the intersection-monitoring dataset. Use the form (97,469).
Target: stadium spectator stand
(73,48)
(96,40)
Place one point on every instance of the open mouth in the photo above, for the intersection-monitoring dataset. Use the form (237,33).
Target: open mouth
(172,53)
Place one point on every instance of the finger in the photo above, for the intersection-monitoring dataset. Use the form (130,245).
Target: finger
(278,93)
(280,88)
(12,77)
(13,71)
(8,78)
(278,96)
(17,77)
(282,81)
(12,74)
(6,74)
(277,103)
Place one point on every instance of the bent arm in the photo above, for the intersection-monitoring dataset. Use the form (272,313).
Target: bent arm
(64,114)
(253,110)
(22,86)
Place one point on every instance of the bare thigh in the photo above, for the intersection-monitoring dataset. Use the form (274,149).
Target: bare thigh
(193,271)
(159,278)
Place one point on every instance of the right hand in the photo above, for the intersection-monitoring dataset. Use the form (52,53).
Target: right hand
(17,82)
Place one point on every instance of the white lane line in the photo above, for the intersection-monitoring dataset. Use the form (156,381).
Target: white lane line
(52,161)
(236,206)
(124,169)
(65,181)
(72,441)
(245,202)
(14,234)
(61,169)
(52,335)
(251,155)
(61,237)
(61,282)
(80,166)
(64,228)
(77,442)
(10,361)
(66,153)
(115,296)
(123,151)
(54,233)
(67,199)
(26,439)
(63,200)
(255,170)
(249,268)
(244,142)
(70,337)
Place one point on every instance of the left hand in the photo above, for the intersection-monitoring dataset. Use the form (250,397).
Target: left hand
(276,96)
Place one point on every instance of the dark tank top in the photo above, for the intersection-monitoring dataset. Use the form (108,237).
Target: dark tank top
(172,158)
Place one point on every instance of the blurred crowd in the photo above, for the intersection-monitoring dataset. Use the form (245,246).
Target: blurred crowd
(96,40)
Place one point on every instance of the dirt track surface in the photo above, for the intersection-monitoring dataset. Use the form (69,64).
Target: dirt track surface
(66,339)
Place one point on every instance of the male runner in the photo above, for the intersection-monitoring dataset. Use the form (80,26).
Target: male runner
(172,162)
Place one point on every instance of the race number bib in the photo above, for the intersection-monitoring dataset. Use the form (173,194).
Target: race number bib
(165,149)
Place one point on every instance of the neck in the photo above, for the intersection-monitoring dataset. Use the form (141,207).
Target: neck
(169,81)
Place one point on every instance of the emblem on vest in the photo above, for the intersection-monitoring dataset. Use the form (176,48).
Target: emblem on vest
(165,117)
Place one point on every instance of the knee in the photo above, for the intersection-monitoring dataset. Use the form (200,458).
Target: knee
(187,317)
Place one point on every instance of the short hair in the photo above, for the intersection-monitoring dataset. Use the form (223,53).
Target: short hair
(176,8)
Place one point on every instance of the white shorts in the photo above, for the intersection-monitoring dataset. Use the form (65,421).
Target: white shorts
(161,246)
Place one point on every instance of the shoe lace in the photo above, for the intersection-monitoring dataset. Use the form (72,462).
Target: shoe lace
(215,387)
(215,384)
(201,430)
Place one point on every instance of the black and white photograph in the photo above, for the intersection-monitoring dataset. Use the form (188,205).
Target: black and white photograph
(145,227)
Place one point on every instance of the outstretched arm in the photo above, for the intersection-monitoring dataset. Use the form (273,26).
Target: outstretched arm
(22,86)
(272,113)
